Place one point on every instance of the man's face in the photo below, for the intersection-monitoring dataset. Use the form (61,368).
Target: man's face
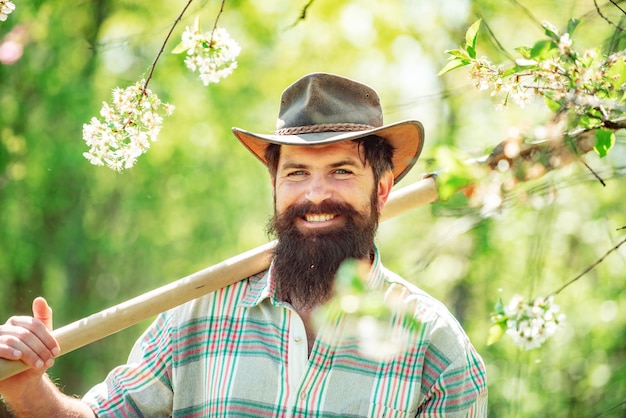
(326,210)
(325,173)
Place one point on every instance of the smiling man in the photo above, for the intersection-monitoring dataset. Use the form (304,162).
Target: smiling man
(250,349)
(326,211)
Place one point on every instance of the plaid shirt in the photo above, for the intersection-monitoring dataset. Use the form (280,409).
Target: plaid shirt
(239,352)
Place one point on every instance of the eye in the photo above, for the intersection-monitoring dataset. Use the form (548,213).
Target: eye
(343,171)
(296,175)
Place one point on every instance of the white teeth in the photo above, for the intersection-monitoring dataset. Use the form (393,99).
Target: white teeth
(319,217)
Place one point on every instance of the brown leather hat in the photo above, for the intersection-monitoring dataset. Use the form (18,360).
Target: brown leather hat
(323,108)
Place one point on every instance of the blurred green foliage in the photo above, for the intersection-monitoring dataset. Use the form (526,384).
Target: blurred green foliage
(87,238)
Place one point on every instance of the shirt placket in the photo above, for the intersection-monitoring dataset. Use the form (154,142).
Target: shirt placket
(298,354)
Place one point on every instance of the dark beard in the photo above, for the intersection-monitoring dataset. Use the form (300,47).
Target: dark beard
(305,264)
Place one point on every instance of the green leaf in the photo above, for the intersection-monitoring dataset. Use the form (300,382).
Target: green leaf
(454,179)
(589,122)
(605,139)
(471,37)
(471,51)
(455,63)
(553,105)
(179,49)
(499,307)
(510,71)
(550,31)
(472,34)
(348,280)
(459,53)
(572,24)
(542,50)
(524,51)
(449,184)
(496,331)
(196,24)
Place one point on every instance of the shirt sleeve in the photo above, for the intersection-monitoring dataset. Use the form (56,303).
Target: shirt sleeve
(142,386)
(460,390)
(454,380)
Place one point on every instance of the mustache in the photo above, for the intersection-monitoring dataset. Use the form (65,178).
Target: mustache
(327,206)
(299,210)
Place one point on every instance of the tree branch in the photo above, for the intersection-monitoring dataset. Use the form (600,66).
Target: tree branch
(589,268)
(169,34)
(302,14)
(217,18)
(595,2)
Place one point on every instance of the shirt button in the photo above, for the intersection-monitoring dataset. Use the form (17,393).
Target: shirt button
(298,339)
(302,395)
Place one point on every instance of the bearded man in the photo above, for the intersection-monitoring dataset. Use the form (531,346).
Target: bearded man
(251,349)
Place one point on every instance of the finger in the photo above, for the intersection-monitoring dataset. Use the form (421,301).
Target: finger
(7,349)
(42,311)
(19,343)
(32,332)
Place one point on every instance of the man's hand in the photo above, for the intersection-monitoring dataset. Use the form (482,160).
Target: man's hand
(31,393)
(28,339)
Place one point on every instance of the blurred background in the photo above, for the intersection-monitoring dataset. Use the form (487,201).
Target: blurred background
(86,237)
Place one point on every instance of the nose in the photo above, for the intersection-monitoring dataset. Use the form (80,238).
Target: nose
(318,189)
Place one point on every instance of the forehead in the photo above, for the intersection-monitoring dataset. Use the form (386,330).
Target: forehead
(321,154)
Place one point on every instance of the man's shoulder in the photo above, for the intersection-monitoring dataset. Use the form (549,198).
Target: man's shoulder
(427,309)
(414,292)
(226,299)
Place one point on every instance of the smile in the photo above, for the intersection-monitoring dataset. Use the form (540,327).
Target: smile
(319,217)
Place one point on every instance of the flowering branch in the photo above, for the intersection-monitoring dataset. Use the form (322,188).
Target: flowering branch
(213,54)
(585,90)
(134,119)
(131,123)
(128,127)
(587,93)
(530,324)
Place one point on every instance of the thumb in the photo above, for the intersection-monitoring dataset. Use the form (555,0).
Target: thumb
(42,311)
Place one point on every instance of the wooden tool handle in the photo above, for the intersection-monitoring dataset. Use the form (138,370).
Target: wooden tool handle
(116,318)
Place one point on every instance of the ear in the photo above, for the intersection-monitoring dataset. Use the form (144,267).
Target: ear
(385,184)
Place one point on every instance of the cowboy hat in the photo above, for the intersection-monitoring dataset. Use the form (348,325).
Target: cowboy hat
(323,108)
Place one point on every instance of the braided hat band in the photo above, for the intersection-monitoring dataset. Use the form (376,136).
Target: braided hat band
(326,127)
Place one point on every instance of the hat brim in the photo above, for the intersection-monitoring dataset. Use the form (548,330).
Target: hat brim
(406,137)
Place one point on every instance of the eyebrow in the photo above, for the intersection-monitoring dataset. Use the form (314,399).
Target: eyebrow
(342,163)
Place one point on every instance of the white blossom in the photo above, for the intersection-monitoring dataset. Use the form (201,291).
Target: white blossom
(522,97)
(6,7)
(565,43)
(530,324)
(212,54)
(127,127)
(522,62)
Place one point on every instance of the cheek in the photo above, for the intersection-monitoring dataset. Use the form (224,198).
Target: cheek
(284,196)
